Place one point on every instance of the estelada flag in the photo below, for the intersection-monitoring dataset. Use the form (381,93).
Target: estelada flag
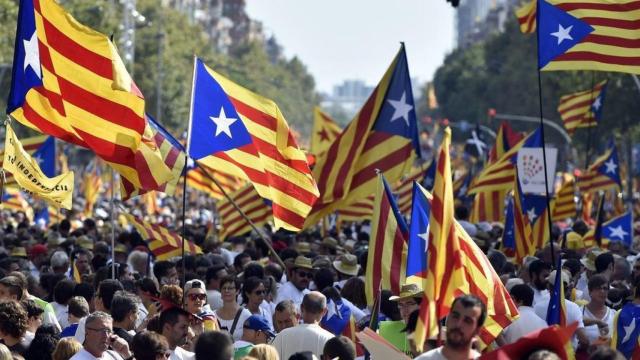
(325,131)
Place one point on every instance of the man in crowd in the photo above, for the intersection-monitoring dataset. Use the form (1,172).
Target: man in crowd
(174,323)
(528,321)
(99,338)
(538,273)
(213,276)
(286,315)
(104,294)
(124,311)
(297,287)
(256,330)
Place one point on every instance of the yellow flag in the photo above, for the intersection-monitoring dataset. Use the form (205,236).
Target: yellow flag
(56,191)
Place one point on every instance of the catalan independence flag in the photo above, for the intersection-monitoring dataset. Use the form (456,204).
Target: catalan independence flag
(457,266)
(246,135)
(257,209)
(92,185)
(325,131)
(383,135)
(69,82)
(163,243)
(198,180)
(419,232)
(524,244)
(387,257)
(557,311)
(358,211)
(527,16)
(563,205)
(603,174)
(583,108)
(588,35)
(626,331)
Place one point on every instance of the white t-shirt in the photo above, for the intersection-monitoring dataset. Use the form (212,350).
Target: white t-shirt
(573,314)
(214,298)
(592,331)
(303,337)
(528,322)
(62,313)
(436,354)
(288,291)
(181,354)
(227,324)
(85,355)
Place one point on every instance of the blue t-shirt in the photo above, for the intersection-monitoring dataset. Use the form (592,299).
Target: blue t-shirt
(69,331)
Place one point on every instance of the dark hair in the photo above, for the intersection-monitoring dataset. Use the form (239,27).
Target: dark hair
(603,261)
(172,315)
(252,269)
(412,322)
(537,266)
(340,347)
(387,307)
(14,284)
(249,285)
(461,212)
(214,345)
(13,319)
(44,343)
(212,272)
(274,270)
(522,293)
(161,268)
(85,290)
(573,265)
(147,344)
(471,301)
(32,309)
(229,279)
(302,355)
(78,306)
(147,285)
(122,305)
(237,261)
(606,353)
(354,291)
(106,290)
(323,278)
(63,291)
(596,281)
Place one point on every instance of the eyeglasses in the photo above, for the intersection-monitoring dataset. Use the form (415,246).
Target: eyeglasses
(259,292)
(166,355)
(228,289)
(194,297)
(308,275)
(105,331)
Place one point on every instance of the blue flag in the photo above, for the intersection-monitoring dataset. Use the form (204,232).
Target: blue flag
(509,235)
(558,31)
(611,167)
(42,216)
(619,229)
(598,103)
(430,176)
(418,233)
(46,156)
(556,313)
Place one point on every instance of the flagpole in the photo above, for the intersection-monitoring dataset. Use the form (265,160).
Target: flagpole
(544,151)
(113,224)
(588,152)
(244,216)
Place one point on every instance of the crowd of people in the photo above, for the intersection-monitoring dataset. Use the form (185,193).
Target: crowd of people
(63,295)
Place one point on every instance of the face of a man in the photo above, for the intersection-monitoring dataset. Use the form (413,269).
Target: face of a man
(82,263)
(97,333)
(284,320)
(540,280)
(301,278)
(462,325)
(406,307)
(177,334)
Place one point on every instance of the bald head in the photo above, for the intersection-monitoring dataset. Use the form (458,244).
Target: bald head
(313,308)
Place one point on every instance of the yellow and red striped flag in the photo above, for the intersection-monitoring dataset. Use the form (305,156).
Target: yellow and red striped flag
(524,244)
(92,182)
(383,136)
(563,205)
(387,257)
(69,82)
(196,179)
(75,275)
(163,243)
(527,17)
(583,108)
(325,131)
(245,134)
(457,266)
(251,203)
(597,35)
(603,174)
(358,211)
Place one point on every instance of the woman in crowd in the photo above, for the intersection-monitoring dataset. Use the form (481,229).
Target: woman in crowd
(148,345)
(597,316)
(66,348)
(253,294)
(195,302)
(264,352)
(231,315)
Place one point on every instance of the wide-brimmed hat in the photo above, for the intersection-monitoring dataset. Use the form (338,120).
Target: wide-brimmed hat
(303,247)
(407,291)
(589,260)
(85,242)
(329,242)
(302,262)
(19,251)
(347,264)
(321,262)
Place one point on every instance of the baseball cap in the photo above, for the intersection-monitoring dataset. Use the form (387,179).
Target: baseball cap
(259,323)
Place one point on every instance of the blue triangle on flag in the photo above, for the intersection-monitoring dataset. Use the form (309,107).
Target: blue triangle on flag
(558,31)
(619,229)
(418,234)
(598,103)
(45,155)
(611,167)
(509,236)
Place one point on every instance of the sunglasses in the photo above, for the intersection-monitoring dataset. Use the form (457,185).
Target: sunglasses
(308,275)
(194,297)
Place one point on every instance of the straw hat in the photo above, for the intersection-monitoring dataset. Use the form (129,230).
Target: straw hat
(303,247)
(589,261)
(347,264)
(121,248)
(329,242)
(19,251)
(84,242)
(302,262)
(566,277)
(321,262)
(574,240)
(407,291)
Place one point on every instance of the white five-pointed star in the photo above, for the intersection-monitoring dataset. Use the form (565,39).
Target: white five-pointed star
(597,103)
(618,232)
(425,236)
(223,123)
(401,108)
(563,33)
(531,214)
(32,54)
(628,330)
(38,159)
(611,166)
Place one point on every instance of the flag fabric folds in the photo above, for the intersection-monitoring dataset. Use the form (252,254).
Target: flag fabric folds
(619,229)
(325,131)
(383,135)
(563,205)
(30,145)
(583,108)
(524,244)
(603,174)
(387,257)
(69,82)
(527,17)
(553,338)
(358,211)
(197,179)
(12,199)
(251,203)
(626,331)
(56,190)
(163,243)
(587,35)
(557,311)
(92,182)
(245,134)
(456,265)
(418,232)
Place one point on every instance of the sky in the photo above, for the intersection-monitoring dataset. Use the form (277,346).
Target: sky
(357,39)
